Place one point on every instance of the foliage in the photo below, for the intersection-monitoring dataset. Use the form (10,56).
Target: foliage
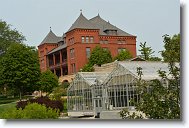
(126,114)
(100,56)
(20,68)
(123,55)
(54,104)
(154,59)
(159,100)
(32,111)
(48,81)
(88,68)
(59,91)
(146,52)
(172,48)
(8,36)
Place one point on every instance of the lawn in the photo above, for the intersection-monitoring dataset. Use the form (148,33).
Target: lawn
(7,100)
(5,107)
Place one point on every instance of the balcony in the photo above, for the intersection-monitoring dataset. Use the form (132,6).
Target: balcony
(64,63)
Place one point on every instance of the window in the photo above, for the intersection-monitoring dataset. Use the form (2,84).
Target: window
(71,40)
(91,39)
(111,32)
(83,39)
(121,41)
(72,53)
(121,49)
(103,41)
(106,42)
(87,39)
(88,52)
(73,68)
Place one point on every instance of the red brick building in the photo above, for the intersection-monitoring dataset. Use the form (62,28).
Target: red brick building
(69,53)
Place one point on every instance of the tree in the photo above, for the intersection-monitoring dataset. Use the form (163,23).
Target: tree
(88,68)
(60,90)
(172,48)
(100,56)
(159,100)
(155,59)
(20,68)
(48,81)
(146,52)
(8,36)
(123,55)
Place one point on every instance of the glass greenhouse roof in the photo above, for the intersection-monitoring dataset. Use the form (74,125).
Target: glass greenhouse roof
(93,77)
(149,69)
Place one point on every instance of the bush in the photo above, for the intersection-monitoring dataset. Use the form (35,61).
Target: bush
(32,111)
(54,104)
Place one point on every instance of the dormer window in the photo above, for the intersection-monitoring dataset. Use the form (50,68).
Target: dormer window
(110,32)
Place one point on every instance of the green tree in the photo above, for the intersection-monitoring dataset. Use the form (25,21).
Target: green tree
(8,36)
(48,81)
(159,100)
(60,90)
(100,56)
(172,48)
(146,52)
(123,55)
(155,59)
(88,68)
(20,68)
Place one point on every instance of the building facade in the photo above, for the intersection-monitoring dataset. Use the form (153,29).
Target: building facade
(69,53)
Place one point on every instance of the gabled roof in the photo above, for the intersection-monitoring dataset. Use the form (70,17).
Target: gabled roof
(82,22)
(51,38)
(149,68)
(92,77)
(104,25)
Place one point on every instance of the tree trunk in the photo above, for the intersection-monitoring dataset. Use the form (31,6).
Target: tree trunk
(20,95)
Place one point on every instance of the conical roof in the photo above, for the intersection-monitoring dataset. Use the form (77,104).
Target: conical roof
(83,23)
(51,38)
(104,25)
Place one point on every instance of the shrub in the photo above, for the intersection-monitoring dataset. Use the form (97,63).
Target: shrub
(54,104)
(32,111)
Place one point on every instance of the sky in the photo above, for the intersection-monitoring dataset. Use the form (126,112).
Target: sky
(149,20)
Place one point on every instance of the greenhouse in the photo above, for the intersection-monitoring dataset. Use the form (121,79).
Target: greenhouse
(106,93)
(81,93)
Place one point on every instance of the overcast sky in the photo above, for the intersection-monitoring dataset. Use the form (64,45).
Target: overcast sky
(149,20)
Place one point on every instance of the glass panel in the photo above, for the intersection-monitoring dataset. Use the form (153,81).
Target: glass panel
(91,39)
(96,102)
(82,39)
(87,39)
(100,103)
(88,52)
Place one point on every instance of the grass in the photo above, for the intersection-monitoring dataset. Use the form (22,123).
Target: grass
(7,100)
(6,107)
